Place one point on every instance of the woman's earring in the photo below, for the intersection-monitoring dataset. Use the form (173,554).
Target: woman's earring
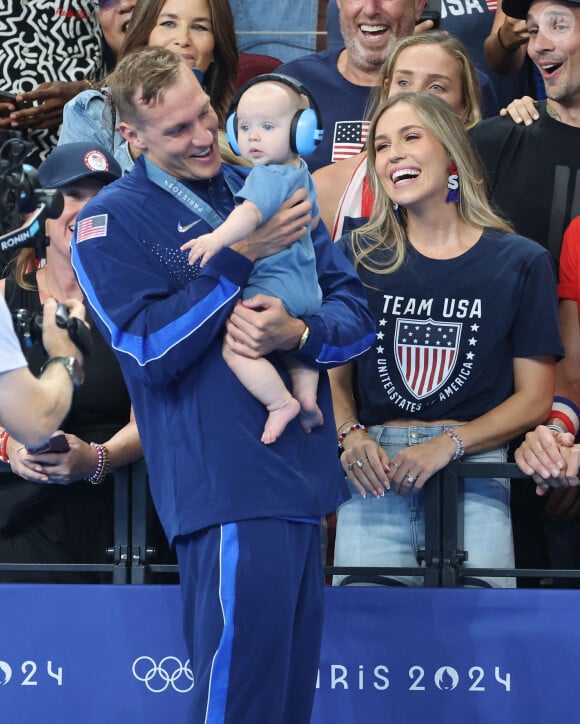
(396,210)
(453,184)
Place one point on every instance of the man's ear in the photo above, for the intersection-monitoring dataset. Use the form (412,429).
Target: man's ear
(131,135)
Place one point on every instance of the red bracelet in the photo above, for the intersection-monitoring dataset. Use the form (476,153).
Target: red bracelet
(3,444)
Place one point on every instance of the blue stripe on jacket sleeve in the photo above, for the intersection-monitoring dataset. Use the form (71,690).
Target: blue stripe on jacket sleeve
(145,349)
(330,354)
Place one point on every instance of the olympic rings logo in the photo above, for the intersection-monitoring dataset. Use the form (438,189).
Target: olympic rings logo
(169,671)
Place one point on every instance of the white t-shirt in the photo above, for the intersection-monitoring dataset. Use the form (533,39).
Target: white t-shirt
(11,356)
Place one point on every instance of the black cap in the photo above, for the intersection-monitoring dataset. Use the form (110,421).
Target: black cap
(75,161)
(520,8)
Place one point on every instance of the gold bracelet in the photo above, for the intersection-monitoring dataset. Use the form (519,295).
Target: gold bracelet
(304,338)
(91,85)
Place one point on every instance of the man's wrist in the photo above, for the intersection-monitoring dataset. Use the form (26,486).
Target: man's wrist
(71,365)
(303,338)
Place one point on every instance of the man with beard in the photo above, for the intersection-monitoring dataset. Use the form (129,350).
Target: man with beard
(341,80)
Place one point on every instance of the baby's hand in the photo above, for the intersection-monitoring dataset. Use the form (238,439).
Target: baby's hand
(202,248)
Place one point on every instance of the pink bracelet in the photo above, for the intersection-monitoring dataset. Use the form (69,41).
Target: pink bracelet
(459,447)
(102,465)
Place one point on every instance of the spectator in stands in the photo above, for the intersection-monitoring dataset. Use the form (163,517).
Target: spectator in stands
(548,453)
(544,209)
(242,515)
(200,31)
(435,62)
(341,80)
(114,17)
(32,408)
(49,52)
(467,341)
(66,519)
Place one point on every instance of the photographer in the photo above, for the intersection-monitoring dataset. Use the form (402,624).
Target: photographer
(69,518)
(32,408)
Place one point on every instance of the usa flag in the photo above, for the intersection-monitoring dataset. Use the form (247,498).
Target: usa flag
(92,227)
(426,352)
(492,5)
(349,138)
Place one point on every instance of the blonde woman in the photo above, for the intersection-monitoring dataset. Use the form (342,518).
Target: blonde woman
(466,314)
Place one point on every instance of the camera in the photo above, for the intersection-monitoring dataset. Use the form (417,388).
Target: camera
(29,327)
(20,194)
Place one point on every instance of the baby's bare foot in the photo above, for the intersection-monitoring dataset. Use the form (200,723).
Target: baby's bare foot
(278,419)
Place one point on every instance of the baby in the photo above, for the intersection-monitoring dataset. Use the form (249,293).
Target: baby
(269,118)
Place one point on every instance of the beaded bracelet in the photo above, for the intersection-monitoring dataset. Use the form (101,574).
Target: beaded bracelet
(352,428)
(459,447)
(3,444)
(102,465)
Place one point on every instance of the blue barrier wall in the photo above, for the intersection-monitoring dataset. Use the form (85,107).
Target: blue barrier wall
(114,655)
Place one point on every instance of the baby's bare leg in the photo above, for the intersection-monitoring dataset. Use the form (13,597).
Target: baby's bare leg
(262,380)
(305,388)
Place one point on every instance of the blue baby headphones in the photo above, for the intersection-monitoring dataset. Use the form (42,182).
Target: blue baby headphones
(306,127)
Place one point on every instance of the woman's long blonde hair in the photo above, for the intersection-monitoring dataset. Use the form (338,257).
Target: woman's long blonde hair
(386,229)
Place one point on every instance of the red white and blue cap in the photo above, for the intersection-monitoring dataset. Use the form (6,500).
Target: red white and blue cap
(520,8)
(72,162)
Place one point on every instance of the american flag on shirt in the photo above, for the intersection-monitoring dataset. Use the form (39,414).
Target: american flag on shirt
(491,5)
(426,352)
(92,227)
(349,138)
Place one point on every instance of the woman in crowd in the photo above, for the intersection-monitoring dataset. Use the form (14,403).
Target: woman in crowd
(66,520)
(468,337)
(435,62)
(201,31)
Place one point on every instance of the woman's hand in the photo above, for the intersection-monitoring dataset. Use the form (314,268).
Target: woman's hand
(54,468)
(413,466)
(521,110)
(366,464)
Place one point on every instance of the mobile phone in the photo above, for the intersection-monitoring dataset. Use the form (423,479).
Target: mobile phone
(433,15)
(56,444)
(6,97)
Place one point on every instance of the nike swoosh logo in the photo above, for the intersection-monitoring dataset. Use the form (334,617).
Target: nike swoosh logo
(187,227)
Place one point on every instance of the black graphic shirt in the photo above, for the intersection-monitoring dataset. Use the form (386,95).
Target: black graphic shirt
(47,40)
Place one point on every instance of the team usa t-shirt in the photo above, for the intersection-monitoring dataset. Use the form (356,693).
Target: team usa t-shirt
(448,330)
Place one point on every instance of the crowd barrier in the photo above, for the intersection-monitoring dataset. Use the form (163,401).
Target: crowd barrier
(114,654)
(86,654)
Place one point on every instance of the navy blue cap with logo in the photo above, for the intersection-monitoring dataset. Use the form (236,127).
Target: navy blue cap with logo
(72,162)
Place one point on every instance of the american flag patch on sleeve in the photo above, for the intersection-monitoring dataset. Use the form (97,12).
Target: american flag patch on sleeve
(92,227)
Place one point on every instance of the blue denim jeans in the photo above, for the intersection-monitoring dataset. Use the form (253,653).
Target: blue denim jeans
(389,531)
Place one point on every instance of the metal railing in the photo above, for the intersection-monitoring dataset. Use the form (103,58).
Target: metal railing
(138,553)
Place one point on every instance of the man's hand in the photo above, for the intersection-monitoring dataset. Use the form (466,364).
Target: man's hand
(49,100)
(287,225)
(56,340)
(260,325)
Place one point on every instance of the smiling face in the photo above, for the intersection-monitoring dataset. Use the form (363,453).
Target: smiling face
(178,131)
(185,27)
(429,68)
(264,115)
(554,47)
(410,162)
(369,27)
